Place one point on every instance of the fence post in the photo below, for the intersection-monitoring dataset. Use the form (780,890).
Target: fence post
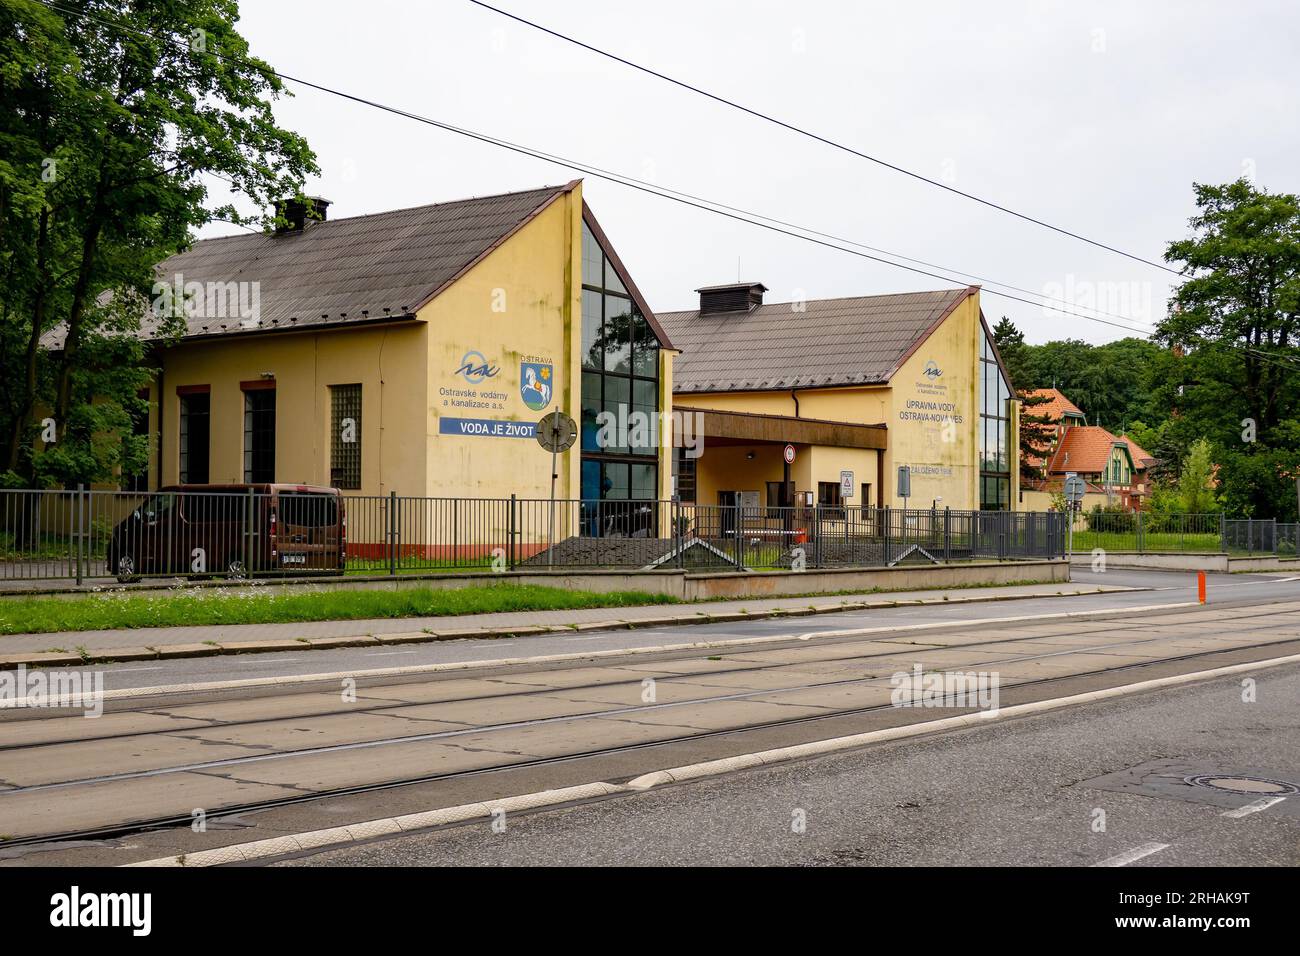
(817,534)
(947,534)
(1250,535)
(676,512)
(1223,532)
(1275,536)
(81,528)
(392,532)
(249,531)
(510,532)
(886,524)
(1139,533)
(737,520)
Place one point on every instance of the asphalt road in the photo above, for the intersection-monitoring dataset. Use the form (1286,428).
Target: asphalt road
(1021,794)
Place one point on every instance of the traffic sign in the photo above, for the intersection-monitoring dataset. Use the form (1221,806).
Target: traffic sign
(789,454)
(846,484)
(556,432)
(904,481)
(1074,488)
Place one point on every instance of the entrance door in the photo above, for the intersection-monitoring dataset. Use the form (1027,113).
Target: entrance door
(728,505)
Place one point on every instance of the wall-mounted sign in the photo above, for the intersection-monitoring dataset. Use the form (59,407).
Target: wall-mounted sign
(476,369)
(486,428)
(789,454)
(535,381)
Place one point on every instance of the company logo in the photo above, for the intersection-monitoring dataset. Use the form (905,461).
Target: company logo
(932,370)
(75,908)
(535,380)
(476,369)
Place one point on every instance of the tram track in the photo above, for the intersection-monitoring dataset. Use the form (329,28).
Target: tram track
(341,750)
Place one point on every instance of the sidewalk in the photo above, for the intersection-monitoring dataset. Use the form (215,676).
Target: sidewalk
(64,648)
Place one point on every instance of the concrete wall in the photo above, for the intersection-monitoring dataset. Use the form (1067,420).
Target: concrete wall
(679,584)
(388,362)
(522,303)
(1159,561)
(784,583)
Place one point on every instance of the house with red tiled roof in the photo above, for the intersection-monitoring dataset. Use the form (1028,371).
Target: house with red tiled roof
(1113,467)
(1143,458)
(1057,408)
(1059,412)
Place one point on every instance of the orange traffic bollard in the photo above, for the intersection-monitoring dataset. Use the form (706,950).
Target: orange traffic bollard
(1200,586)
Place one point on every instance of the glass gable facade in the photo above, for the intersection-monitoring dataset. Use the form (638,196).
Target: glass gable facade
(995,438)
(620,376)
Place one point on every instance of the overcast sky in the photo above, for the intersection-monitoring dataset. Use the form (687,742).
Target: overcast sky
(1096,117)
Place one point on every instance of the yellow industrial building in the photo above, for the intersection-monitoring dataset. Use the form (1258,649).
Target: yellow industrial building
(411,351)
(857,388)
(414,352)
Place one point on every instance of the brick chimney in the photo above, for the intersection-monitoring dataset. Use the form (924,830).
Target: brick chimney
(300,212)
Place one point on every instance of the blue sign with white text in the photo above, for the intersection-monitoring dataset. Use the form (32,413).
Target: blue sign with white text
(486,428)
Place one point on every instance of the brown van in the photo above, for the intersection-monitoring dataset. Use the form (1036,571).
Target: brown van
(235,530)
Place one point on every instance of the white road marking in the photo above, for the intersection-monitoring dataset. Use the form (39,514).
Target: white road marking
(1250,808)
(387,653)
(1133,855)
(317,839)
(128,670)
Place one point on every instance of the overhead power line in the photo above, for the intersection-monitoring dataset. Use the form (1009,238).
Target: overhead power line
(801,131)
(754,219)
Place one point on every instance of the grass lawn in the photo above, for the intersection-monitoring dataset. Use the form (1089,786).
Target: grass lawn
(251,605)
(1151,541)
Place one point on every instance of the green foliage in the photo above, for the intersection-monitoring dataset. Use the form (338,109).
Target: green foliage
(1234,328)
(109,122)
(1196,484)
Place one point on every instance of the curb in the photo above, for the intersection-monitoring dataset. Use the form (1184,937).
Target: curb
(359,832)
(226,648)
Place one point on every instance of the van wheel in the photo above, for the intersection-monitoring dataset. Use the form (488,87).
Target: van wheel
(235,569)
(126,569)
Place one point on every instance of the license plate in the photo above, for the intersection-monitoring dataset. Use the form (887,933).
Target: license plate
(293,559)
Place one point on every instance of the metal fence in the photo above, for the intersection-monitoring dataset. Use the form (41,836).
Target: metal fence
(1147,532)
(103,536)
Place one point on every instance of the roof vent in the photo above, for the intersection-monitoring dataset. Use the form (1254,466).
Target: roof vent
(299,211)
(737,297)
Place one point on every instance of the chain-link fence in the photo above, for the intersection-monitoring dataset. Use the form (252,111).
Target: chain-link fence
(237,531)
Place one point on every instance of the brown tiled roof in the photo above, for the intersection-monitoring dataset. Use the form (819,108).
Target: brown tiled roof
(352,270)
(1141,457)
(1083,448)
(1054,408)
(857,341)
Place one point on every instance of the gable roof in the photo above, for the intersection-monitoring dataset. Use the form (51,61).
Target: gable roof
(822,342)
(370,268)
(1085,449)
(1141,457)
(1056,406)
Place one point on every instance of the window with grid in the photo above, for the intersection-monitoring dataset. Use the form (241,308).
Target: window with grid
(194,437)
(259,435)
(996,442)
(345,436)
(620,386)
